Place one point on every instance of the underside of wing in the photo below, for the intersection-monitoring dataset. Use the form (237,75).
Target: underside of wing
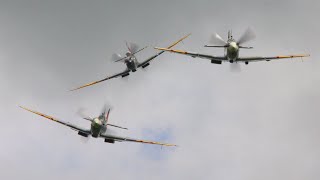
(194,55)
(252,59)
(146,62)
(124,73)
(117,138)
(56,120)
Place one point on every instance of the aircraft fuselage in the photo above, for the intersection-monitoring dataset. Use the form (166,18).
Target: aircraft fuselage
(132,63)
(97,127)
(232,51)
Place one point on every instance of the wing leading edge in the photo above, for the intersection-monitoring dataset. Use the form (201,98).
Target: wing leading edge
(74,127)
(252,59)
(194,55)
(144,63)
(118,138)
(107,78)
(240,59)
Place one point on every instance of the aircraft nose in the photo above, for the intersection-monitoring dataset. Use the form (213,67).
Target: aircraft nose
(97,121)
(234,45)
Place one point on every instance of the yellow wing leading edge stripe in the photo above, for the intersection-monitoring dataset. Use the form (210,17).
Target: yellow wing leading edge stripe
(117,138)
(56,120)
(89,84)
(254,58)
(175,43)
(293,56)
(107,78)
(40,114)
(171,50)
(152,142)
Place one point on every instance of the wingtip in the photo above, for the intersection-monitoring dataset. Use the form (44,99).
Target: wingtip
(73,90)
(22,107)
(161,49)
(304,55)
(81,87)
(172,145)
(188,35)
(185,37)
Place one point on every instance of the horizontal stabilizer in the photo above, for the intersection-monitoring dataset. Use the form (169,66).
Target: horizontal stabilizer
(89,119)
(215,46)
(117,126)
(244,47)
(139,50)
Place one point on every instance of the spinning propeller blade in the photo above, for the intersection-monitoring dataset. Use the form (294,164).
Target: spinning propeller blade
(248,35)
(235,67)
(132,47)
(117,57)
(81,113)
(217,40)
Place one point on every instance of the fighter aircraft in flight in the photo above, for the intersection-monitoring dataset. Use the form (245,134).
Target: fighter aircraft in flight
(232,48)
(99,128)
(131,61)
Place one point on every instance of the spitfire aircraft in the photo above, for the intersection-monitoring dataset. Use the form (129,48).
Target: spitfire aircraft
(131,61)
(99,128)
(232,48)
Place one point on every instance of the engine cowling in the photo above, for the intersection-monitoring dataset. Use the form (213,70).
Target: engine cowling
(109,140)
(83,134)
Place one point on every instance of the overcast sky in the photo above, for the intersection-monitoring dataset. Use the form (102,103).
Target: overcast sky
(262,123)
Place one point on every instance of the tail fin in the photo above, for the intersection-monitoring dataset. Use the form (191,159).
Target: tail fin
(230,34)
(107,115)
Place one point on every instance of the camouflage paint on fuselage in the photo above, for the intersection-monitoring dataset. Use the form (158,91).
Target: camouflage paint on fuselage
(132,63)
(97,127)
(232,51)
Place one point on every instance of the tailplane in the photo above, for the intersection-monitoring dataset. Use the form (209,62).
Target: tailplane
(107,118)
(245,47)
(215,46)
(230,35)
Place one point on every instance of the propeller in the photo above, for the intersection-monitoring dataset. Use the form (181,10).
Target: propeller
(117,57)
(217,40)
(248,35)
(81,113)
(235,67)
(132,47)
(84,139)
